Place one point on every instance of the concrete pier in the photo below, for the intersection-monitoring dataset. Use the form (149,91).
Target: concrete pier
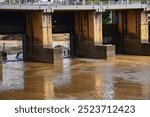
(133,32)
(88,36)
(39,37)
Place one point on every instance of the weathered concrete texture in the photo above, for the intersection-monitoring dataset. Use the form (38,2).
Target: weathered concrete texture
(89,50)
(110,50)
(42,29)
(135,47)
(57,55)
(47,30)
(88,36)
(38,53)
(88,24)
(131,24)
(133,31)
(42,55)
(38,36)
(119,42)
(144,27)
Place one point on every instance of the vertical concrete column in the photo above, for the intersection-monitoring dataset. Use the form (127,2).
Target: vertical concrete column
(40,28)
(88,25)
(39,37)
(144,27)
(47,30)
(98,29)
(95,27)
(37,25)
(88,35)
(76,24)
(131,24)
(29,39)
(82,25)
(120,25)
(91,20)
(29,29)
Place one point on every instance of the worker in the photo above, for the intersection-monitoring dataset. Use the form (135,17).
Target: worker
(4,53)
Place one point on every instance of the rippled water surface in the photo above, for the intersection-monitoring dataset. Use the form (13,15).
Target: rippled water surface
(121,77)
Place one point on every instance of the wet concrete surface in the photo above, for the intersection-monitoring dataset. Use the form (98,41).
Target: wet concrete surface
(120,77)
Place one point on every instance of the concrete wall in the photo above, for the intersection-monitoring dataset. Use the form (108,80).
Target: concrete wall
(135,47)
(38,37)
(131,24)
(121,30)
(98,35)
(47,30)
(41,27)
(133,32)
(88,24)
(88,36)
(144,27)
(87,49)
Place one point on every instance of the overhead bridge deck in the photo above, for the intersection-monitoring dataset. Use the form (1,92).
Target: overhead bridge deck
(74,5)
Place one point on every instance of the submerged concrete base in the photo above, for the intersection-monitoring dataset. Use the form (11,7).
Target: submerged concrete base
(135,47)
(49,55)
(89,50)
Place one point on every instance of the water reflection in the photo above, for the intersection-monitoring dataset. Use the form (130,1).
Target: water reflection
(125,89)
(26,81)
(77,82)
(128,90)
(12,78)
(81,87)
(116,78)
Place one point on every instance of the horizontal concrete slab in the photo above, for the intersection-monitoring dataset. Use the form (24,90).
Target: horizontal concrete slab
(51,8)
(64,7)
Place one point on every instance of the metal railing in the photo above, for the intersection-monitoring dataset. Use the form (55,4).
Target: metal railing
(73,2)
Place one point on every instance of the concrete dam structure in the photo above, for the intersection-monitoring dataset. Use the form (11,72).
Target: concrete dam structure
(38,21)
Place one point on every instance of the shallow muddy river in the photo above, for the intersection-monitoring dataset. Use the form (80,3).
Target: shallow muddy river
(120,77)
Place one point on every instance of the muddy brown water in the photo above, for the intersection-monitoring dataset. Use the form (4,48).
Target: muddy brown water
(120,77)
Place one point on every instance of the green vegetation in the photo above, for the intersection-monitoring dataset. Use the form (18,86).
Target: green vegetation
(106,17)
